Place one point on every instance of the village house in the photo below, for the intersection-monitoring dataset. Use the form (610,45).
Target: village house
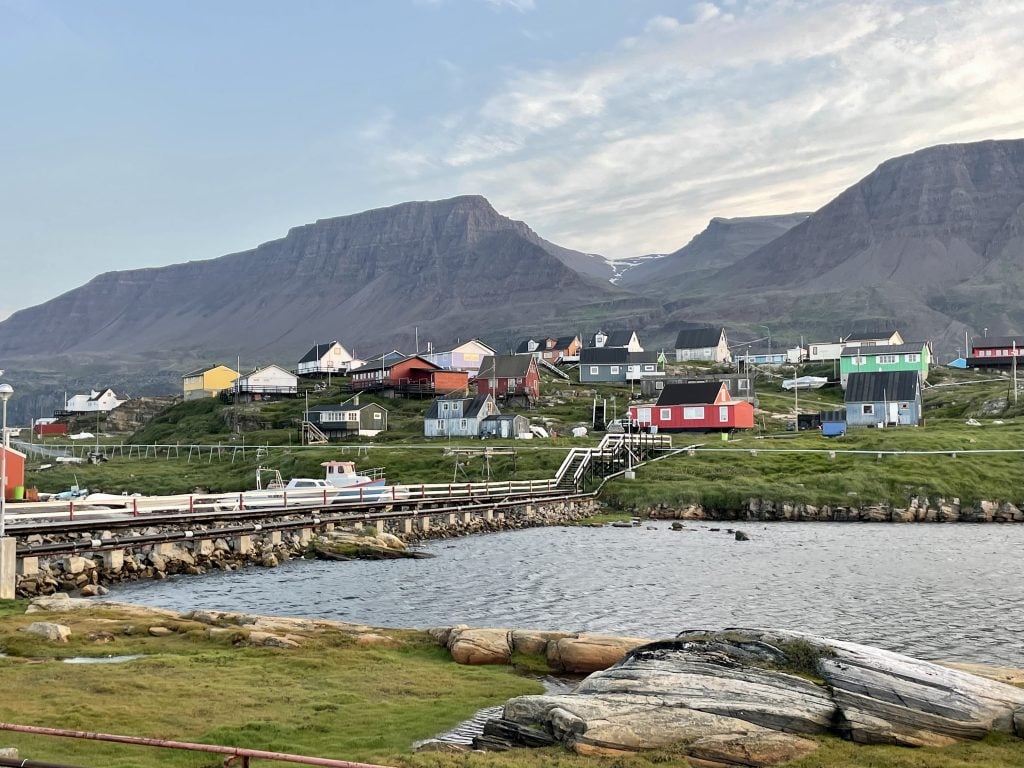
(458,416)
(740,385)
(617,339)
(396,375)
(97,401)
(873,339)
(878,399)
(995,352)
(825,351)
(506,426)
(708,344)
(326,360)
(207,382)
(699,407)
(269,382)
(467,356)
(550,349)
(509,378)
(347,419)
(616,364)
(912,356)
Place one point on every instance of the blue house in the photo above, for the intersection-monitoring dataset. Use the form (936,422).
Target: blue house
(458,416)
(886,399)
(616,364)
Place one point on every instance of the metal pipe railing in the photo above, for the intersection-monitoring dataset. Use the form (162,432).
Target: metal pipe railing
(242,752)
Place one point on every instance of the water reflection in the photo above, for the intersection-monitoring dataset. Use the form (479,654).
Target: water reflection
(934,591)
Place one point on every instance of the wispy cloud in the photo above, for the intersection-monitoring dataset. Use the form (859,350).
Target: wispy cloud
(734,109)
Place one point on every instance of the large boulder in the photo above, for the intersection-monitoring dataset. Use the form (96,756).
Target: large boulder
(753,697)
(55,633)
(584,654)
(481,646)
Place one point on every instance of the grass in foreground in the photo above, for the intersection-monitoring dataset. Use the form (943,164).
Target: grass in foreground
(329,698)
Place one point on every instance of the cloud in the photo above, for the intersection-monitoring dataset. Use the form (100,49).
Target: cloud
(766,107)
(517,5)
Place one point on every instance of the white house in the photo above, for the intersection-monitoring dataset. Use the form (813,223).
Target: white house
(825,350)
(620,339)
(272,380)
(874,339)
(324,359)
(467,356)
(102,401)
(708,343)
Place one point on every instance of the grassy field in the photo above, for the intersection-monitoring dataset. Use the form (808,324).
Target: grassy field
(330,698)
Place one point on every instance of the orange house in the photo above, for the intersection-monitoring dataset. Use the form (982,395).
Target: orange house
(15,471)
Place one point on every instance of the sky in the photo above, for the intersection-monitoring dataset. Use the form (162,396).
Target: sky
(144,134)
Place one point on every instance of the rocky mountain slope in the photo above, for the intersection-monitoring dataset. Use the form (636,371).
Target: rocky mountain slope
(451,267)
(721,243)
(932,242)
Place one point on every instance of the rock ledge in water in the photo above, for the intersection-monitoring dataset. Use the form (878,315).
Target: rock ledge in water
(746,697)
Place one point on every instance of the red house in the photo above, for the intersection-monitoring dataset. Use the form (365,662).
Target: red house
(701,407)
(15,471)
(509,377)
(994,352)
(413,375)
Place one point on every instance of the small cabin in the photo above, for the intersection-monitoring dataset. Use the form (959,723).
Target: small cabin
(700,407)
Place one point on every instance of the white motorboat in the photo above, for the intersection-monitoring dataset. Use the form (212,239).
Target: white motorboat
(804,382)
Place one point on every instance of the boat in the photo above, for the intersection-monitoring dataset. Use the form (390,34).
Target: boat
(341,483)
(805,382)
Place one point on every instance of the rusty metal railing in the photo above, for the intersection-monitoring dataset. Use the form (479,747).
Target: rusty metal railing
(233,753)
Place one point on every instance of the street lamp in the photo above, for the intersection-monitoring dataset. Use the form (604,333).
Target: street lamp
(769,341)
(6,390)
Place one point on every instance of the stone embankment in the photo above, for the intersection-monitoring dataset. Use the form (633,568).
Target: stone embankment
(735,698)
(88,572)
(918,510)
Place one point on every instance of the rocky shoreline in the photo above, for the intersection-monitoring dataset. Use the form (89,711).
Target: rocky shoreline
(88,573)
(918,510)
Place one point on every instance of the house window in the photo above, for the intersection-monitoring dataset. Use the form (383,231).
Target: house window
(352,416)
(440,425)
(659,385)
(814,350)
(464,423)
(742,385)
(859,360)
(723,413)
(904,406)
(913,358)
(648,367)
(593,370)
(666,414)
(693,412)
(377,417)
(868,409)
(614,370)
(444,406)
(888,359)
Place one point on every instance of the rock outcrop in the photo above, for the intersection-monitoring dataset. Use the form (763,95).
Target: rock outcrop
(755,697)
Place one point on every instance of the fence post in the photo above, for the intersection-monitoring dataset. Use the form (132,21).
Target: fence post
(135,507)
(71,510)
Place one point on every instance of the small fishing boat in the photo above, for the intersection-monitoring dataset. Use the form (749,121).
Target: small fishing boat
(804,382)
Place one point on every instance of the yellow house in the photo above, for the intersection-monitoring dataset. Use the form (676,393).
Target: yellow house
(207,382)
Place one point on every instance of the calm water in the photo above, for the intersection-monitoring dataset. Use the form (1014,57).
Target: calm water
(933,591)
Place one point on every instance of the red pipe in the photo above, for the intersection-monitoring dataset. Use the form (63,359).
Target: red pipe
(71,510)
(283,757)
(135,507)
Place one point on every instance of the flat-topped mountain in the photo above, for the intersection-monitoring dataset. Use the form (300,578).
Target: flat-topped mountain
(448,267)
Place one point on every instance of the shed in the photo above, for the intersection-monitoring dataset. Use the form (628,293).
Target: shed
(15,471)
(506,425)
(833,423)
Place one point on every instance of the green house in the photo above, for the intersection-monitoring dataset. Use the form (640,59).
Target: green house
(885,358)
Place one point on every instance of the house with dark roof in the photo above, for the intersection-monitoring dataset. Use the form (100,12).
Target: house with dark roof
(561,349)
(883,399)
(707,343)
(703,406)
(347,419)
(616,364)
(623,339)
(882,358)
(325,360)
(507,426)
(509,377)
(208,381)
(995,352)
(740,385)
(458,416)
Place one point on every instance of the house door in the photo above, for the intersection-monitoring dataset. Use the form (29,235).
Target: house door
(894,413)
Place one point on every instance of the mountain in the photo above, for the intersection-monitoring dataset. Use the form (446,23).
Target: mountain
(723,242)
(450,268)
(932,242)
